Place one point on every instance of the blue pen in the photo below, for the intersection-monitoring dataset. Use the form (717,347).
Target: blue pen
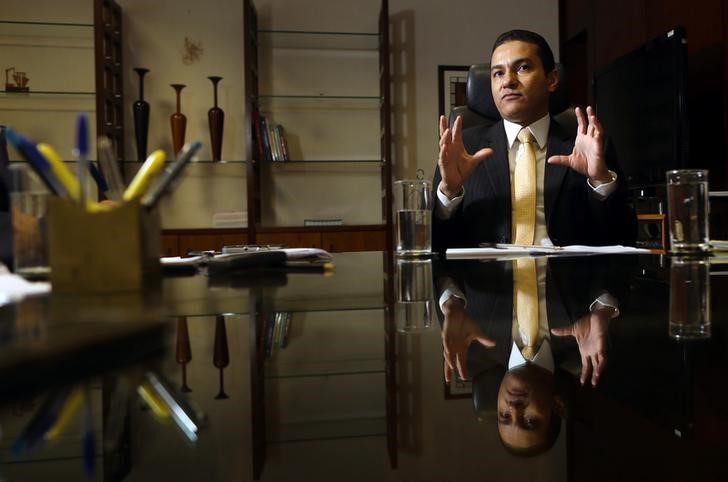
(36,160)
(99,178)
(81,154)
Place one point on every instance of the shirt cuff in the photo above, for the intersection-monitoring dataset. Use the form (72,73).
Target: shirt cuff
(448,293)
(608,301)
(607,188)
(446,207)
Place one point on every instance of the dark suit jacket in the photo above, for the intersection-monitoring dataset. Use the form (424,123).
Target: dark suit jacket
(574,213)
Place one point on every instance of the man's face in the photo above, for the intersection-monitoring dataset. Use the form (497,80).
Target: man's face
(520,86)
(526,403)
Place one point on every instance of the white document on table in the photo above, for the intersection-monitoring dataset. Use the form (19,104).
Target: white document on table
(505,251)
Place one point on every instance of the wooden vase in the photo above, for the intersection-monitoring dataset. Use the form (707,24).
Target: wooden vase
(216,118)
(178,122)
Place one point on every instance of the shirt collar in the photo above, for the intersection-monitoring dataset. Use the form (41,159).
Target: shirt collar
(544,358)
(539,129)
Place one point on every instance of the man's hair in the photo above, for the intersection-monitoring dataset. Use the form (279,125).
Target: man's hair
(544,51)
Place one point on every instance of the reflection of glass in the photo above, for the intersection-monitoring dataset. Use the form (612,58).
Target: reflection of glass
(221,354)
(184,350)
(414,306)
(689,298)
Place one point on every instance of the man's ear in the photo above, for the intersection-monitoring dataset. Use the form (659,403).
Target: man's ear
(552,80)
(559,406)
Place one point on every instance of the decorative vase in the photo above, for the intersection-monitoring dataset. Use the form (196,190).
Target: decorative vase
(221,355)
(178,122)
(184,350)
(141,117)
(216,118)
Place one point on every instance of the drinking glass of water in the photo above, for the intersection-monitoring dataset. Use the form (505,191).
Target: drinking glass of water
(413,216)
(688,209)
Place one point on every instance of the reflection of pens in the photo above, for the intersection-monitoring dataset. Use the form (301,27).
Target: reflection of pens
(307,267)
(181,413)
(36,160)
(70,406)
(151,166)
(81,154)
(170,174)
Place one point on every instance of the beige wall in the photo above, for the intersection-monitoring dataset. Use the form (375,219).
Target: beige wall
(424,34)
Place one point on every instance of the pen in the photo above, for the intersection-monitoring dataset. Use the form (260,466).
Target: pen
(59,168)
(527,246)
(170,174)
(36,160)
(151,166)
(108,164)
(98,178)
(81,154)
(180,412)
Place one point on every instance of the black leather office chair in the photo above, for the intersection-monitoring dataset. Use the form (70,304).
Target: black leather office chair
(481,109)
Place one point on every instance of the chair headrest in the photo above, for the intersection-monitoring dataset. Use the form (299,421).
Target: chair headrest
(480,98)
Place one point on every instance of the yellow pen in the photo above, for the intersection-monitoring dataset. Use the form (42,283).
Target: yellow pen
(69,409)
(159,409)
(59,168)
(149,169)
(66,177)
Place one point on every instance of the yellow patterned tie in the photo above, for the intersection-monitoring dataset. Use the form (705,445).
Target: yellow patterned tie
(524,225)
(523,214)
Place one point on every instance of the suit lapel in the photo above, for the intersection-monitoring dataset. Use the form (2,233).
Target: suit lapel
(499,173)
(554,175)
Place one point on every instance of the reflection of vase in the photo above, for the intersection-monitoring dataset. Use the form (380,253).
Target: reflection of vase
(141,118)
(216,118)
(184,350)
(221,355)
(178,121)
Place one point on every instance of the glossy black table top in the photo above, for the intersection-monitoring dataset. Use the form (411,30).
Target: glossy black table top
(340,377)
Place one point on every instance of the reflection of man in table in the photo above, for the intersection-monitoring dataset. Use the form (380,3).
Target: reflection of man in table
(523,382)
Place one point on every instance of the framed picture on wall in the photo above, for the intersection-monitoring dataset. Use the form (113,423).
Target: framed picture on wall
(451,83)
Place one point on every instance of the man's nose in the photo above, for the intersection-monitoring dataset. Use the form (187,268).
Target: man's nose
(509,79)
(516,402)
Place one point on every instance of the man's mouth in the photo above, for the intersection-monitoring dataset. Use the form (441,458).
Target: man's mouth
(511,96)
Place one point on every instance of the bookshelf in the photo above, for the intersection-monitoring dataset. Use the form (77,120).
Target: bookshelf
(330,92)
(71,67)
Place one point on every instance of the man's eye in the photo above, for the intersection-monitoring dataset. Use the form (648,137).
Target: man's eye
(497,74)
(530,423)
(505,417)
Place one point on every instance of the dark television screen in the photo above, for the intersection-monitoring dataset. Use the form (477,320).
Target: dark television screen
(641,102)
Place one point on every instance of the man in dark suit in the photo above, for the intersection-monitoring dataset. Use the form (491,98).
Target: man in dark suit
(581,197)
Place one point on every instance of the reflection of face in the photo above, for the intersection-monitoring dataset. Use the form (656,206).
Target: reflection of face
(526,403)
(520,86)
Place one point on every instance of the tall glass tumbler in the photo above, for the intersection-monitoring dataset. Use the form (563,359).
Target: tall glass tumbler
(413,217)
(688,210)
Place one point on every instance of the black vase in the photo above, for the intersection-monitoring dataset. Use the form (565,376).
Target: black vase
(141,118)
(216,118)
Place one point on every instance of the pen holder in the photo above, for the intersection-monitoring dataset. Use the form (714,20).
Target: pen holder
(116,250)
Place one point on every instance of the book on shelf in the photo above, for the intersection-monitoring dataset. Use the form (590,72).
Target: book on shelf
(266,138)
(323,222)
(282,142)
(271,140)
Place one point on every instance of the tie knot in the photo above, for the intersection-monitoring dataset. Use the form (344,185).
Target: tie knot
(525,136)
